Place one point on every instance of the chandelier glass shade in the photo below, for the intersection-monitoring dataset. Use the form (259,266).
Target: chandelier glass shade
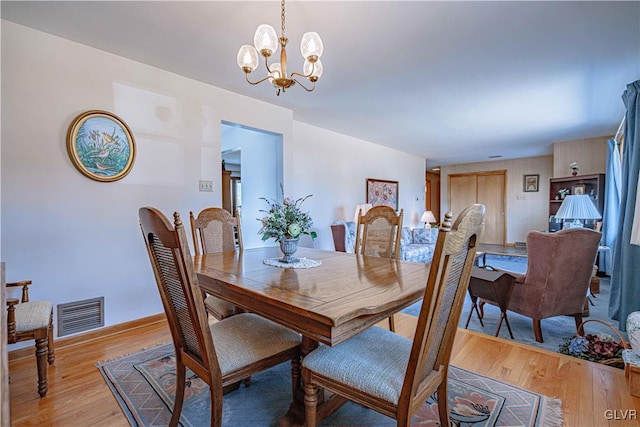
(266,43)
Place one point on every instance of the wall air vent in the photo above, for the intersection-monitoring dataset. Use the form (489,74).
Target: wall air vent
(521,244)
(80,316)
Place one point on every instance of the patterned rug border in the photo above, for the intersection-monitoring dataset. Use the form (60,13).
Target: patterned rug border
(548,411)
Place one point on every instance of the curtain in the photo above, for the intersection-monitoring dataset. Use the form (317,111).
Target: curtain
(611,205)
(625,277)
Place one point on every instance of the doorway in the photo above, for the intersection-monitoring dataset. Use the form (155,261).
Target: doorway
(254,158)
(232,181)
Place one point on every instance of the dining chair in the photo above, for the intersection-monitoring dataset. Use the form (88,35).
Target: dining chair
(224,352)
(32,320)
(216,230)
(392,374)
(378,233)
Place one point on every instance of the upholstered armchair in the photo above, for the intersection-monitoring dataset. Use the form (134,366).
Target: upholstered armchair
(559,269)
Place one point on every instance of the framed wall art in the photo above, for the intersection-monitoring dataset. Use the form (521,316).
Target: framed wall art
(382,192)
(101,146)
(531,183)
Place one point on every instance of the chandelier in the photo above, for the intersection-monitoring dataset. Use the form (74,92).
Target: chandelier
(266,43)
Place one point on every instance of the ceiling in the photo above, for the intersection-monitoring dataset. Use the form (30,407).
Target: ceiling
(453,82)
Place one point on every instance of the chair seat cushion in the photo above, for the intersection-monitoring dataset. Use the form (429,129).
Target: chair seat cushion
(218,307)
(247,338)
(33,315)
(374,361)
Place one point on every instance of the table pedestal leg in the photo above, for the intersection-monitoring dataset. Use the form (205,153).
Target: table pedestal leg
(326,406)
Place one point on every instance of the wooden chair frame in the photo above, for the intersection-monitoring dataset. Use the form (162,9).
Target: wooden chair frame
(45,350)
(199,223)
(373,214)
(452,263)
(231,231)
(362,232)
(195,347)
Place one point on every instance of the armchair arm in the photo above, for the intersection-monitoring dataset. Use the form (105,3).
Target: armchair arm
(25,288)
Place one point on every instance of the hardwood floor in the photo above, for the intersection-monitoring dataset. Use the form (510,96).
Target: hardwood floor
(78,395)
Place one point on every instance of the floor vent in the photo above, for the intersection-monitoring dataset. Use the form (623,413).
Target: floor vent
(80,316)
(521,244)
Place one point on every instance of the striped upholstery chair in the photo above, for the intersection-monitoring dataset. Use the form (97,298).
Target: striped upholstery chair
(392,374)
(216,230)
(223,353)
(32,320)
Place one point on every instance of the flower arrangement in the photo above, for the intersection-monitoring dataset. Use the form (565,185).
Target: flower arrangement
(286,220)
(594,347)
(563,192)
(574,168)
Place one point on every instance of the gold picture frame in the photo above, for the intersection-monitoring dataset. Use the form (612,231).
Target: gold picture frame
(101,146)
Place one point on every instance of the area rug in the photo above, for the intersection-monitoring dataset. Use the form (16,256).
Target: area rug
(143,383)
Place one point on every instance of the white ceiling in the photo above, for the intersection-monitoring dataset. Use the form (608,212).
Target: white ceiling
(453,82)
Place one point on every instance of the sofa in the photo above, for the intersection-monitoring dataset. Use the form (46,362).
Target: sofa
(417,244)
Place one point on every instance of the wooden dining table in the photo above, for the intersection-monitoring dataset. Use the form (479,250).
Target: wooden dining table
(327,304)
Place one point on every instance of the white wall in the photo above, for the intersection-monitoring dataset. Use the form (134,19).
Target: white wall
(77,238)
(589,153)
(525,211)
(334,168)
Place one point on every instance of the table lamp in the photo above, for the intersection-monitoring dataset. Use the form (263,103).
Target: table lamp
(361,210)
(577,207)
(428,217)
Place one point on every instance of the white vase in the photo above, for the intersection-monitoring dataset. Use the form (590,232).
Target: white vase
(633,331)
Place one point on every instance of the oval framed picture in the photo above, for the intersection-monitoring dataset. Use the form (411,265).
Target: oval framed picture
(101,146)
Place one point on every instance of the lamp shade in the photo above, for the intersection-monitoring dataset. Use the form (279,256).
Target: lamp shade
(361,210)
(428,217)
(311,45)
(265,40)
(247,57)
(578,207)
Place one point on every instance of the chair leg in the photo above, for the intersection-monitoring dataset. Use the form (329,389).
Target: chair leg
(41,361)
(179,397)
(392,323)
(537,330)
(443,401)
(51,353)
(295,377)
(310,404)
(578,319)
(216,408)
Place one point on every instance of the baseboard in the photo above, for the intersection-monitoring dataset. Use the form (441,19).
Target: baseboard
(83,338)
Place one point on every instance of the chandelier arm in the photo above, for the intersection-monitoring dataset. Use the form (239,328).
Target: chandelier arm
(303,86)
(266,64)
(246,75)
(302,75)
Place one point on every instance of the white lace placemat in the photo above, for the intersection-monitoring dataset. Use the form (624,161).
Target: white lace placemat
(302,263)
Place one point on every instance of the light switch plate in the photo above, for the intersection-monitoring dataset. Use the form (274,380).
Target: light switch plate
(206,186)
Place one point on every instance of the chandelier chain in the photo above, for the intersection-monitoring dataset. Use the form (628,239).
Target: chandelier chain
(282,17)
